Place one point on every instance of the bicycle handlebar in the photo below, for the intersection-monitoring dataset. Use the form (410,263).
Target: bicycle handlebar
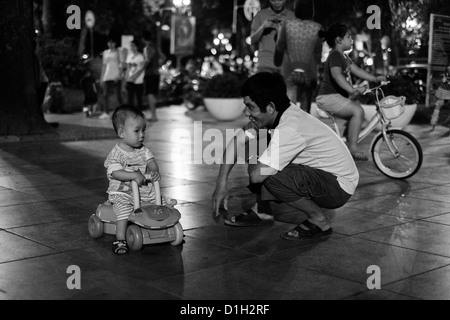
(370,90)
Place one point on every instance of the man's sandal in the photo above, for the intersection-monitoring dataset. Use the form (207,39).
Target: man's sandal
(306,231)
(248,219)
(120,247)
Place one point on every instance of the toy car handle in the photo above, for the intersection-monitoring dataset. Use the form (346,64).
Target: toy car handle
(137,195)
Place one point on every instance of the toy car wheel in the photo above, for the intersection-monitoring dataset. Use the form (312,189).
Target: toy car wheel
(95,227)
(135,238)
(179,234)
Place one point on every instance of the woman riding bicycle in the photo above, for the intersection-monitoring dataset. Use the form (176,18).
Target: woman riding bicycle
(337,87)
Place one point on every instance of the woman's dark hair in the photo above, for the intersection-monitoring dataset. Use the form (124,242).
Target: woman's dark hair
(335,31)
(264,88)
(304,9)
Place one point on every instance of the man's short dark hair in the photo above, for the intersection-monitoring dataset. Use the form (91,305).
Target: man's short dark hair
(264,88)
(122,113)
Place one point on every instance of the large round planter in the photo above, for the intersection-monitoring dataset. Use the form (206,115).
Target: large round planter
(401,122)
(225,109)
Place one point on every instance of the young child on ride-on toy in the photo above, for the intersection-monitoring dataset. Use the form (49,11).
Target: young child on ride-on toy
(129,160)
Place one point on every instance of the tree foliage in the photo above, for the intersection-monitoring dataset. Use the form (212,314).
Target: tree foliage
(19,110)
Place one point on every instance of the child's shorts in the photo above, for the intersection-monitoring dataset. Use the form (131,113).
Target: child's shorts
(332,103)
(122,204)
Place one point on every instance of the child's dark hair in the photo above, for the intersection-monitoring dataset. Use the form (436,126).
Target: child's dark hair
(138,45)
(335,31)
(264,88)
(122,113)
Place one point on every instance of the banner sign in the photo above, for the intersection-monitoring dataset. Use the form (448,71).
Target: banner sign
(182,40)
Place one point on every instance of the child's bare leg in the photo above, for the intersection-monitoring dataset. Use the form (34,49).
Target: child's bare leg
(355,113)
(121,228)
(436,112)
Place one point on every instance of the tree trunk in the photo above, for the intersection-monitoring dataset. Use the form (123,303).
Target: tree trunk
(19,110)
(47,18)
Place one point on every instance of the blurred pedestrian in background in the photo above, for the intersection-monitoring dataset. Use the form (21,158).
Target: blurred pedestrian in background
(111,77)
(264,33)
(442,94)
(89,86)
(299,39)
(134,75)
(153,57)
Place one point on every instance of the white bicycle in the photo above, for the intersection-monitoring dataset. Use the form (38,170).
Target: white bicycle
(396,153)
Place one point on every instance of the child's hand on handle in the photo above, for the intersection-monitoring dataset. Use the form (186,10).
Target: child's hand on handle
(359,90)
(139,178)
(153,176)
(382,79)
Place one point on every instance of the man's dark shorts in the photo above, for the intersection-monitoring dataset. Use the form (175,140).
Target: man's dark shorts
(298,181)
(152,84)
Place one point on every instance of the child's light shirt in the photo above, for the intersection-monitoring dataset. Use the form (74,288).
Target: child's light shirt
(119,159)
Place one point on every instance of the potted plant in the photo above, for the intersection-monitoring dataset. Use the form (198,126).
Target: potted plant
(399,86)
(222,96)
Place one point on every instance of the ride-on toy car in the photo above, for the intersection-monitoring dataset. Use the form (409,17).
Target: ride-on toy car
(148,224)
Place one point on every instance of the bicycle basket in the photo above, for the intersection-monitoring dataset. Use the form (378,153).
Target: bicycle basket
(392,107)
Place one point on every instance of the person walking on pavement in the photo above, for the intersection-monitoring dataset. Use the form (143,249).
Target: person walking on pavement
(264,33)
(111,77)
(152,78)
(299,38)
(134,75)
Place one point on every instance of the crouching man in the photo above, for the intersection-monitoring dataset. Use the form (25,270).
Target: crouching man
(306,165)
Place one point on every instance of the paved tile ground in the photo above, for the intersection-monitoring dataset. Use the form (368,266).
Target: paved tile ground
(49,186)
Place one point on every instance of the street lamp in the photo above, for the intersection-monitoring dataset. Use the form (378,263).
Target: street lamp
(183,6)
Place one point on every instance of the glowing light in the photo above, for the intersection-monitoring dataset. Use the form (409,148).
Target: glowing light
(412,23)
(213,51)
(186,2)
(229,47)
(220,36)
(177,3)
(165,27)
(248,40)
(216,41)
(369,62)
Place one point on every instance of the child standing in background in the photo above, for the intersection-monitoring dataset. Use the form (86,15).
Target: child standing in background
(442,94)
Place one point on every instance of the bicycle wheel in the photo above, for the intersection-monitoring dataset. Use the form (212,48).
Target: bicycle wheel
(407,160)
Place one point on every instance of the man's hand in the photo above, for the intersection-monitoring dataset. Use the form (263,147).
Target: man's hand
(220,194)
